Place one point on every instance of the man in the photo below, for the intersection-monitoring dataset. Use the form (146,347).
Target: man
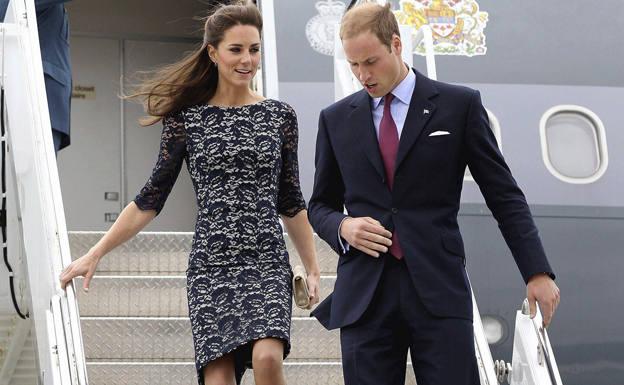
(53,26)
(394,154)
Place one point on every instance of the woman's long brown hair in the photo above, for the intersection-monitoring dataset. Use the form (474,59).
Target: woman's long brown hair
(193,80)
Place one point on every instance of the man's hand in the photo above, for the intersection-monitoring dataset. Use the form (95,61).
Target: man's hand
(542,288)
(366,234)
(313,288)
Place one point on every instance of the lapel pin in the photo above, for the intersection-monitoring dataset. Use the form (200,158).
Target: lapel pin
(425,111)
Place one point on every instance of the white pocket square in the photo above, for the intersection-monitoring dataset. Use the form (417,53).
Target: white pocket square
(439,133)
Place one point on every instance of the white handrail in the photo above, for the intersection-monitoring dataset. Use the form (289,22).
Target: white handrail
(485,362)
(425,33)
(53,376)
(76,331)
(40,205)
(61,343)
(533,361)
(270,83)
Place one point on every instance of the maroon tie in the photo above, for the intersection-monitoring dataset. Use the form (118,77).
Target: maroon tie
(389,145)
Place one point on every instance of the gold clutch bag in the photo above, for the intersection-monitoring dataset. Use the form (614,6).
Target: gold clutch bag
(301,293)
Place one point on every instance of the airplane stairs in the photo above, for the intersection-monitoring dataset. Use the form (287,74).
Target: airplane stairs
(135,318)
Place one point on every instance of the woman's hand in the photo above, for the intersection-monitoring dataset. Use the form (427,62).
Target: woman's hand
(313,288)
(84,267)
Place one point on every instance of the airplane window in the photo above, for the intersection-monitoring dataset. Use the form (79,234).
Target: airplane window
(574,146)
(496,128)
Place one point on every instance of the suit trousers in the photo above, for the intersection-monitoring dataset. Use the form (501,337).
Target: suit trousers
(57,138)
(374,349)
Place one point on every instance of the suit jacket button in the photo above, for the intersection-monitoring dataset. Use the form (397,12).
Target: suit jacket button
(395,210)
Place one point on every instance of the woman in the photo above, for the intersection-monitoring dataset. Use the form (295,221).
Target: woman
(241,153)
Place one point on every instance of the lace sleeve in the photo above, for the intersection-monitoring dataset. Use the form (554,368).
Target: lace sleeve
(290,197)
(172,153)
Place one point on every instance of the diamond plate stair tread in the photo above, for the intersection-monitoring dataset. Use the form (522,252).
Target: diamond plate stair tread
(184,373)
(142,296)
(161,260)
(134,297)
(162,253)
(170,339)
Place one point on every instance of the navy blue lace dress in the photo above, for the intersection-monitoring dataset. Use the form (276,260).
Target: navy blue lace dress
(244,169)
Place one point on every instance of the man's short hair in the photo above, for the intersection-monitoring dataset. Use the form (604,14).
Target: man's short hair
(370,17)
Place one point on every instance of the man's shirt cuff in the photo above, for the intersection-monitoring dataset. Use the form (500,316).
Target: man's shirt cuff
(343,243)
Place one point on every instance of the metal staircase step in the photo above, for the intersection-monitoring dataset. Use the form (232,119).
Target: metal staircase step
(134,296)
(297,373)
(150,296)
(142,373)
(145,254)
(135,317)
(166,253)
(169,339)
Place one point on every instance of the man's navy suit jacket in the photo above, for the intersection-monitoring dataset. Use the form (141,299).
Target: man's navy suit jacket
(53,26)
(423,204)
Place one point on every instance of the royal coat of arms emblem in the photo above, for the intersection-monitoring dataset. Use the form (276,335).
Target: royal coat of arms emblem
(457,25)
(320,29)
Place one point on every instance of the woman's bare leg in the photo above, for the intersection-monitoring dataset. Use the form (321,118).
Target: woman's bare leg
(267,360)
(220,371)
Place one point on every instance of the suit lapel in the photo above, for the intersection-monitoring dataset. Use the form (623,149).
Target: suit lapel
(363,131)
(420,111)
(363,128)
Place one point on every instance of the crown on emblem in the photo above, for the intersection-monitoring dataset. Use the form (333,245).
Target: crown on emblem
(440,10)
(330,7)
